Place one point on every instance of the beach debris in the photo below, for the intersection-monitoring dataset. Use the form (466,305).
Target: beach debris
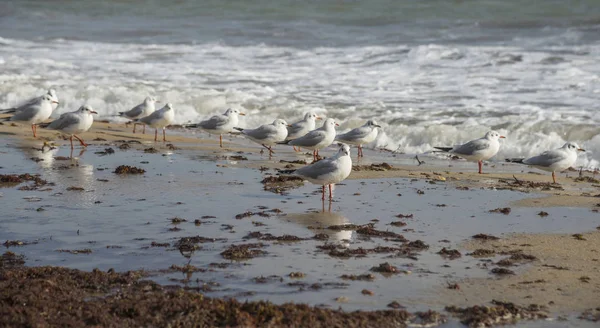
(269,237)
(177,220)
(243,251)
(373,167)
(450,254)
(367,292)
(557,267)
(585,279)
(388,269)
(150,150)
(417,244)
(405,216)
(282,183)
(500,313)
(361,277)
(171,146)
(126,169)
(297,275)
(124,146)
(481,252)
(502,271)
(237,158)
(592,315)
(542,214)
(73,188)
(483,236)
(398,223)
(75,251)
(395,305)
(503,210)
(15,179)
(106,151)
(10,259)
(579,236)
(453,286)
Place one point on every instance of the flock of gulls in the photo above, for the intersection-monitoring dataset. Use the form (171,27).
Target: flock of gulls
(302,134)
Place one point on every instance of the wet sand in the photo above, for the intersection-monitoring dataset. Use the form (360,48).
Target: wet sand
(127,223)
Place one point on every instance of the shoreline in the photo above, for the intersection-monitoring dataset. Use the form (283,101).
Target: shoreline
(544,246)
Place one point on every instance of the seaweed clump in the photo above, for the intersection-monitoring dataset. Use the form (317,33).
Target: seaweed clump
(126,169)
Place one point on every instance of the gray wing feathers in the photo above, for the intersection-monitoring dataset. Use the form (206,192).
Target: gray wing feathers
(310,139)
(546,158)
(262,132)
(318,169)
(298,126)
(135,111)
(24,113)
(63,121)
(471,147)
(354,134)
(214,122)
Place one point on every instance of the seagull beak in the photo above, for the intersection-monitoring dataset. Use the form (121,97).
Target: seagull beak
(580,149)
(243,114)
(289,125)
(319,118)
(377,126)
(157,101)
(54,102)
(337,124)
(502,137)
(93,112)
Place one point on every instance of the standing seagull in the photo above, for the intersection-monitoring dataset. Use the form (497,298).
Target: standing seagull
(328,171)
(219,124)
(267,135)
(300,128)
(159,119)
(317,139)
(142,110)
(362,135)
(73,123)
(552,160)
(33,112)
(477,150)
(51,93)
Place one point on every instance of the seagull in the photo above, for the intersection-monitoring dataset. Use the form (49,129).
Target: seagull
(317,139)
(33,112)
(361,135)
(51,93)
(74,123)
(267,135)
(219,124)
(477,150)
(159,119)
(300,128)
(552,160)
(328,171)
(142,110)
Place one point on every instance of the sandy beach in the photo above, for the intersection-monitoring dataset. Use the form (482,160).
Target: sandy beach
(179,221)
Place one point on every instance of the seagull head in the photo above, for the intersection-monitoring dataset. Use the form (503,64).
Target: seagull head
(150,100)
(52,94)
(49,98)
(280,123)
(233,111)
(311,116)
(87,109)
(373,124)
(344,149)
(168,106)
(493,135)
(572,147)
(330,124)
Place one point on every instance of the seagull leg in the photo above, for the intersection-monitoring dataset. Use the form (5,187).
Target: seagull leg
(134,125)
(553,176)
(164,135)
(323,193)
(330,194)
(81,141)
(480,163)
(144,129)
(360,154)
(155,135)
(221,140)
(271,152)
(71,139)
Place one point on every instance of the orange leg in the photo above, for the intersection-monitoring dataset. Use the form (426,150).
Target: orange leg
(553,176)
(164,135)
(144,129)
(81,141)
(155,135)
(330,194)
(271,152)
(71,139)
(480,163)
(323,193)
(134,125)
(221,140)
(33,129)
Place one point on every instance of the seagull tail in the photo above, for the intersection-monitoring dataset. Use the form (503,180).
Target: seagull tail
(239,129)
(191,125)
(515,160)
(444,149)
(286,171)
(5,119)
(44,125)
(8,111)
(286,142)
(121,114)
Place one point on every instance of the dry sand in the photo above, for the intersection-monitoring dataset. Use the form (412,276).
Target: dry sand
(565,276)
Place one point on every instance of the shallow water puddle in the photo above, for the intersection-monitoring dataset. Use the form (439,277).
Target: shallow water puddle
(94,218)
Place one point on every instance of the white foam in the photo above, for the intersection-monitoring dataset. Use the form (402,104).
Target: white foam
(423,96)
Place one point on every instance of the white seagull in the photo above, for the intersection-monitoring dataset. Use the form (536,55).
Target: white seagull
(142,110)
(267,135)
(300,128)
(328,171)
(552,160)
(477,150)
(74,123)
(33,112)
(317,139)
(160,119)
(362,135)
(51,93)
(219,124)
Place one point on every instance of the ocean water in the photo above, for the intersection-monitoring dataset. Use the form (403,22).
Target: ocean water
(431,73)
